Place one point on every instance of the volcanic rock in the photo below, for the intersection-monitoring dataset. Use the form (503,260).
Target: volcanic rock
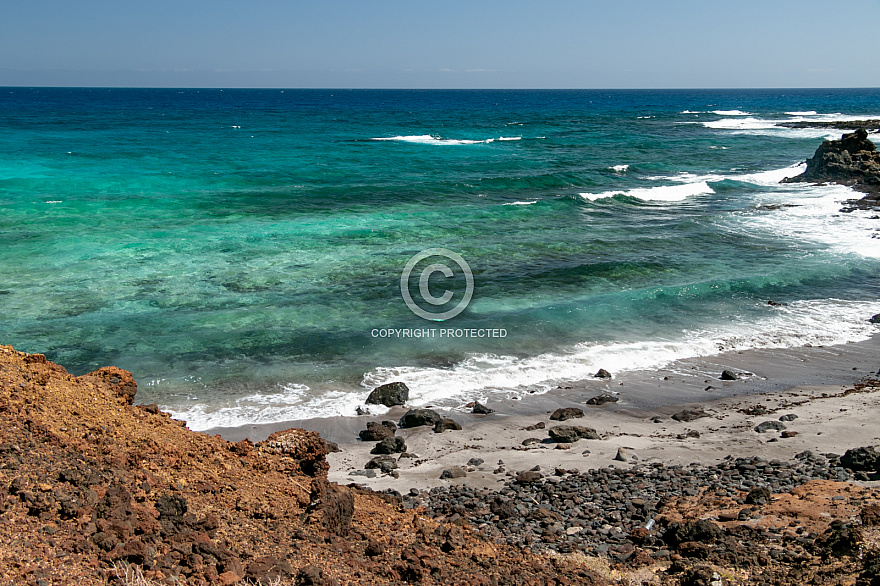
(390,445)
(768,425)
(480,409)
(418,418)
(602,374)
(568,434)
(602,399)
(690,415)
(446,423)
(563,414)
(853,160)
(390,394)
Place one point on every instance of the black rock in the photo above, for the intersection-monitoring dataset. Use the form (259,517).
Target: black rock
(853,160)
(390,445)
(446,423)
(569,434)
(865,459)
(875,319)
(565,413)
(475,462)
(377,431)
(768,425)
(480,409)
(602,374)
(690,415)
(389,395)
(419,417)
(454,472)
(788,417)
(602,399)
(728,374)
(702,531)
(384,463)
(758,496)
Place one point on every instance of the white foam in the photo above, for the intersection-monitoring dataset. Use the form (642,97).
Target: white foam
(437,140)
(660,193)
(807,113)
(815,219)
(520,203)
(823,322)
(731,113)
(291,402)
(54,201)
(740,123)
(691,112)
(619,168)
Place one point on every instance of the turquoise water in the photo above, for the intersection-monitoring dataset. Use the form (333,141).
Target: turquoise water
(236,249)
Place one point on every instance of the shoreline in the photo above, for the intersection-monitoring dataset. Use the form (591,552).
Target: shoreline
(797,377)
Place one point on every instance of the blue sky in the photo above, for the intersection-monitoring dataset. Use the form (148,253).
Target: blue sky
(449,44)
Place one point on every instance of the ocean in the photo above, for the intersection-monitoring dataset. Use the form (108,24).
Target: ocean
(241,251)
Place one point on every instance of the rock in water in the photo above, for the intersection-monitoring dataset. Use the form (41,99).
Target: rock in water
(389,395)
(568,434)
(728,374)
(853,160)
(419,417)
(566,413)
(602,374)
(480,409)
(602,399)
(875,319)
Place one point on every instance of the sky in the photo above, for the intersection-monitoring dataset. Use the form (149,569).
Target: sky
(448,44)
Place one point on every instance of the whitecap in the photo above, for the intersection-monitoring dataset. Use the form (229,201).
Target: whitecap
(807,113)
(660,193)
(520,203)
(619,168)
(823,322)
(731,113)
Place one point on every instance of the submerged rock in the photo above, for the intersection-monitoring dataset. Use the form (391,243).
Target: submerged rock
(480,409)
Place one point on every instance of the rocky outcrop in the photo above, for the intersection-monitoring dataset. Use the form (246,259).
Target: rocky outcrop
(306,450)
(872,125)
(853,160)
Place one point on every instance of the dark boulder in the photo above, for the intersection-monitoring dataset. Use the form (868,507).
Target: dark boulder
(602,374)
(875,319)
(418,418)
(528,476)
(690,415)
(728,374)
(390,445)
(602,399)
(389,395)
(454,472)
(788,417)
(378,431)
(480,409)
(565,413)
(758,496)
(384,463)
(702,531)
(569,434)
(865,459)
(446,423)
(769,425)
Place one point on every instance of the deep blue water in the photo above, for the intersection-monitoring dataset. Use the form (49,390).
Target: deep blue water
(236,249)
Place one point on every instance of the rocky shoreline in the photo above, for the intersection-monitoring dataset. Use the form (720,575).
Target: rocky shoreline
(97,490)
(853,161)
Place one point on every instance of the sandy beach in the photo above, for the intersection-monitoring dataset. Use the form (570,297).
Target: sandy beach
(806,382)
